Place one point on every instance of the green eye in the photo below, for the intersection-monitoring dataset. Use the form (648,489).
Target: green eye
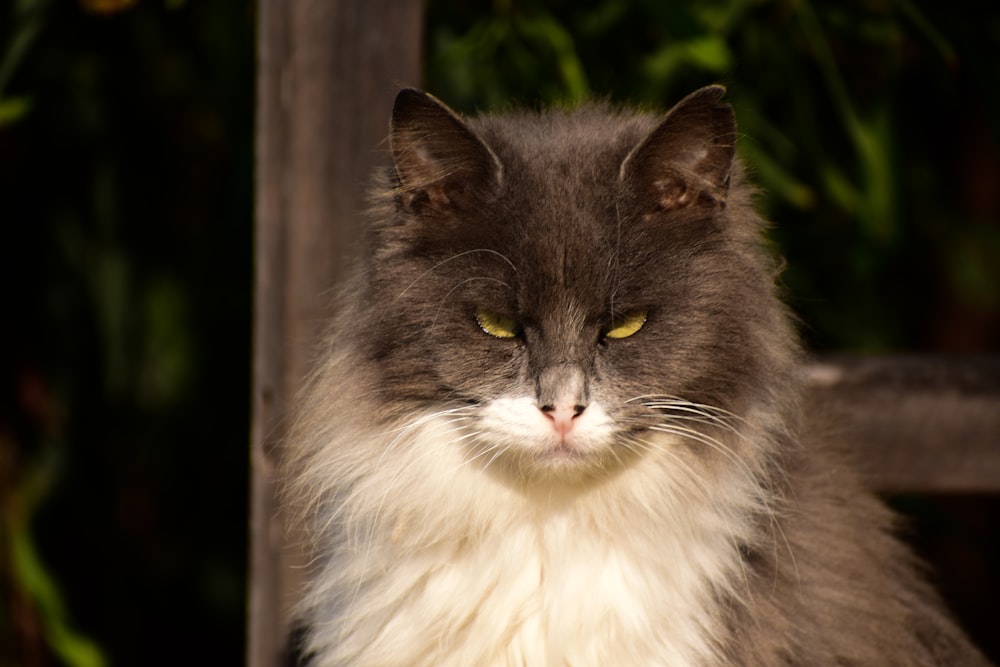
(497,326)
(627,325)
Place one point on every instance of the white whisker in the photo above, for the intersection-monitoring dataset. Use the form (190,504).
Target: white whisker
(444,299)
(671,410)
(450,259)
(707,494)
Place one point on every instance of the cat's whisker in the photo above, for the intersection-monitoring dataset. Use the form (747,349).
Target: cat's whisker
(756,480)
(702,438)
(452,415)
(693,477)
(444,299)
(753,480)
(615,259)
(500,452)
(711,411)
(777,529)
(667,407)
(618,459)
(482,449)
(763,494)
(720,416)
(451,259)
(449,416)
(428,417)
(670,400)
(707,421)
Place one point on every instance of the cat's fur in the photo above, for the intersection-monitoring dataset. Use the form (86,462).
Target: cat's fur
(561,498)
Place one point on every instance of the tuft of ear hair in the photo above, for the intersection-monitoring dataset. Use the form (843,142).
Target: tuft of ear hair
(438,160)
(688,158)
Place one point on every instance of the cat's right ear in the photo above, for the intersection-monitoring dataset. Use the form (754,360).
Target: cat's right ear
(687,160)
(439,162)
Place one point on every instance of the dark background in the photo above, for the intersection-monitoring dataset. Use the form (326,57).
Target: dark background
(126,157)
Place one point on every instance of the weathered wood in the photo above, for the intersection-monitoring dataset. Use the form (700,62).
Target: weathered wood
(327,74)
(920,424)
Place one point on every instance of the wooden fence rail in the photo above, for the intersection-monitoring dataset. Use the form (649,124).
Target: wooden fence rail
(327,74)
(922,424)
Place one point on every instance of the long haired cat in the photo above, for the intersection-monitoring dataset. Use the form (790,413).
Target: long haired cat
(556,423)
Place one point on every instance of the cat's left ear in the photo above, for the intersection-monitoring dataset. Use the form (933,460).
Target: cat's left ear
(438,160)
(688,158)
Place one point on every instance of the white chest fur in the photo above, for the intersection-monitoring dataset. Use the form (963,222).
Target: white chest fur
(448,567)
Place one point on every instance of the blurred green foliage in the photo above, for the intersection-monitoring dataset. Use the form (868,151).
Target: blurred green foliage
(125,198)
(125,192)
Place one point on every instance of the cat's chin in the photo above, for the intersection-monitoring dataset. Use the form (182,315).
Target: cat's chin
(562,452)
(552,466)
(523,437)
(563,457)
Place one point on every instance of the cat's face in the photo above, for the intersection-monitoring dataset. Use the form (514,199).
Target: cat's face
(563,283)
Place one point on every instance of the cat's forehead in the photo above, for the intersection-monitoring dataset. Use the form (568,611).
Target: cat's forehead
(555,221)
(560,170)
(573,140)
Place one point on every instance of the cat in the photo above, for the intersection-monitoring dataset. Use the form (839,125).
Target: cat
(557,420)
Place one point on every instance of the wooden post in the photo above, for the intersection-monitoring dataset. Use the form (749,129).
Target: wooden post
(328,71)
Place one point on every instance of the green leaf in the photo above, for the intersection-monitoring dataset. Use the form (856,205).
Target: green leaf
(710,53)
(776,179)
(543,29)
(74,649)
(13,109)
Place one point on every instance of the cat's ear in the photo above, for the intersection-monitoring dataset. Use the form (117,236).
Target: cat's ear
(438,160)
(687,159)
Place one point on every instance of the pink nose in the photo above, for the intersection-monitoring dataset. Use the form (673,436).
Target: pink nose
(562,416)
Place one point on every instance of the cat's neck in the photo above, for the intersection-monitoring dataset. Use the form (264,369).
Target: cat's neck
(562,574)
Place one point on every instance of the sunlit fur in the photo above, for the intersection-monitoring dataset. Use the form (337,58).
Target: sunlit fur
(438,562)
(682,519)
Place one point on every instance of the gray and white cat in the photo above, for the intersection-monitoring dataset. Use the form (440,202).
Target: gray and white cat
(557,420)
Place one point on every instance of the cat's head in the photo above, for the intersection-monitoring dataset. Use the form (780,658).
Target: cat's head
(565,281)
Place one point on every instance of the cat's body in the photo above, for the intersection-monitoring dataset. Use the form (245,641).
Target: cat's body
(557,423)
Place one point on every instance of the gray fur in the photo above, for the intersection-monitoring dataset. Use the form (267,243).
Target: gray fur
(564,220)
